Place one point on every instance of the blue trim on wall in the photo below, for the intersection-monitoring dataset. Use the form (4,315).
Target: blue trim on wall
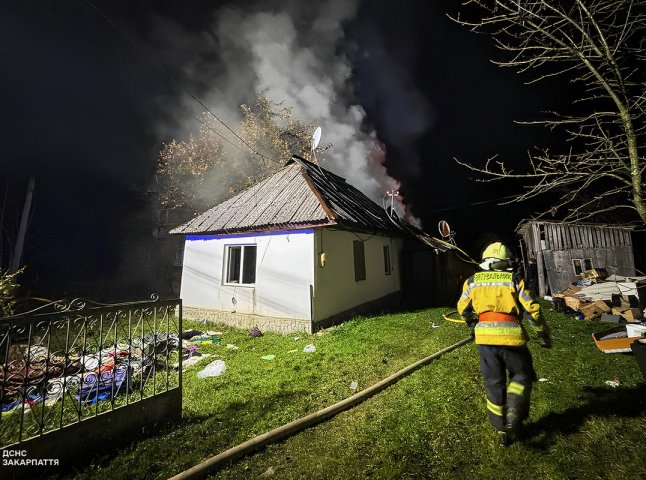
(247,235)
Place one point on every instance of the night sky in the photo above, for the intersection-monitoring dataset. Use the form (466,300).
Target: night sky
(88,98)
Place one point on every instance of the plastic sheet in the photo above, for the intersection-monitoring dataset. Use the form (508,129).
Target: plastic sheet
(213,369)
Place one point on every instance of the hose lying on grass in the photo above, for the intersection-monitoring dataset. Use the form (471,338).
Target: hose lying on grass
(209,465)
(454,317)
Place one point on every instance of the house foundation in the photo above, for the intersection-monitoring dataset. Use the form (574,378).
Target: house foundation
(247,321)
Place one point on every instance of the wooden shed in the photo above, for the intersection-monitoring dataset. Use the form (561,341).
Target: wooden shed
(561,251)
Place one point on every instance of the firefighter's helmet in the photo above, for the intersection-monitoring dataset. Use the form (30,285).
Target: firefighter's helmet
(496,257)
(496,250)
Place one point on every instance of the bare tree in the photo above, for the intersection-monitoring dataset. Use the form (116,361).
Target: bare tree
(598,44)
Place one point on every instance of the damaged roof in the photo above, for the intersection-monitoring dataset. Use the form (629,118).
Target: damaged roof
(300,195)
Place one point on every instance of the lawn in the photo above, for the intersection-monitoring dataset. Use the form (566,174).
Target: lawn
(432,424)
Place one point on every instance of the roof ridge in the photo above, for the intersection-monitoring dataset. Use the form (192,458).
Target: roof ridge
(331,214)
(300,194)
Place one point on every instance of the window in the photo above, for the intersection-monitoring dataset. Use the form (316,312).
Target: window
(387,266)
(581,264)
(587,264)
(240,266)
(359,260)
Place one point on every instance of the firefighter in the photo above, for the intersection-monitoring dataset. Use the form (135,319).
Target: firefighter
(493,303)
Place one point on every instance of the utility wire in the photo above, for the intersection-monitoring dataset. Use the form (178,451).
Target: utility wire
(185,110)
(178,83)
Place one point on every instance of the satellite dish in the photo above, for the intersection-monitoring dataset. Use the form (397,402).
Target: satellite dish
(444,228)
(316,138)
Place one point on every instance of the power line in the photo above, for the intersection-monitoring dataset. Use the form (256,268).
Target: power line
(179,84)
(185,110)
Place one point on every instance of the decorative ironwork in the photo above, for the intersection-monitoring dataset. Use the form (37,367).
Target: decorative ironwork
(68,361)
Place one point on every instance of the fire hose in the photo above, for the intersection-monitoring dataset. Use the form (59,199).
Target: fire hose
(454,317)
(209,465)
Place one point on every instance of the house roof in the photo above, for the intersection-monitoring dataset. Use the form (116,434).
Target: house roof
(555,236)
(300,195)
(526,225)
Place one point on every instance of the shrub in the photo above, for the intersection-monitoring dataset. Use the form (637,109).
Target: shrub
(8,287)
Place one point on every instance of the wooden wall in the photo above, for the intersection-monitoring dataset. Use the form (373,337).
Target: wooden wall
(554,245)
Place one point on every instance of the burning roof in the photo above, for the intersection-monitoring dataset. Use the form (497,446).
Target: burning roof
(300,195)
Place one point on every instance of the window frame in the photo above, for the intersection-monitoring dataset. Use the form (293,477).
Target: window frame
(243,248)
(582,264)
(359,260)
(388,263)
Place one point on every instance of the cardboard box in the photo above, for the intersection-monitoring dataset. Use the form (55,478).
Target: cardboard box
(630,314)
(594,274)
(615,340)
(569,291)
(572,302)
(569,298)
(594,310)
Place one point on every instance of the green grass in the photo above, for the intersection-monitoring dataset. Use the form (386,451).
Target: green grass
(432,424)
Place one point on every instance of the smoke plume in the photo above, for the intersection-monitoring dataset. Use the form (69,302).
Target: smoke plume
(293,55)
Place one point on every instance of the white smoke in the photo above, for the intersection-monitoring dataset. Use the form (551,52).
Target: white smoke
(292,56)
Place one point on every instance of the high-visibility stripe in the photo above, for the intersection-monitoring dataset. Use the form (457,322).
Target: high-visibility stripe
(491,284)
(493,408)
(490,325)
(503,340)
(490,329)
(516,388)
(465,294)
(526,296)
(500,333)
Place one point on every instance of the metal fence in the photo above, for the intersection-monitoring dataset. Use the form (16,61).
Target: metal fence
(70,361)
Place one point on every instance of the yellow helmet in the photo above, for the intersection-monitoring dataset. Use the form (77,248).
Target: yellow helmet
(496,250)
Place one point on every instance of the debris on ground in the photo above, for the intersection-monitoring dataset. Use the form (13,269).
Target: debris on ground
(309,348)
(255,332)
(598,295)
(205,338)
(213,369)
(189,334)
(613,383)
(268,473)
(353,385)
(268,357)
(231,346)
(189,362)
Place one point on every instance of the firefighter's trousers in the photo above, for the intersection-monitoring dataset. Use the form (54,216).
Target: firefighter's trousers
(508,374)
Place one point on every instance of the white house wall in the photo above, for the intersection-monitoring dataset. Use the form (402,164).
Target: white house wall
(284,274)
(335,287)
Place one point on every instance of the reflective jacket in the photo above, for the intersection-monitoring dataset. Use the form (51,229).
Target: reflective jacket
(497,300)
